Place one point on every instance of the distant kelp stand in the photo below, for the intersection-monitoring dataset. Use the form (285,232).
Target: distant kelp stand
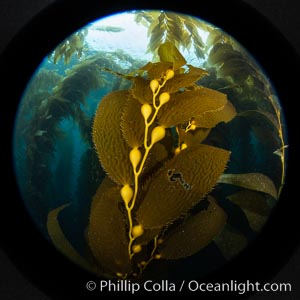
(49,99)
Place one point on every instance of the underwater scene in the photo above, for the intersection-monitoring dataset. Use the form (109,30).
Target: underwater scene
(150,144)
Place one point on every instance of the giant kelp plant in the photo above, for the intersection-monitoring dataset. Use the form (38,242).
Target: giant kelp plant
(162,196)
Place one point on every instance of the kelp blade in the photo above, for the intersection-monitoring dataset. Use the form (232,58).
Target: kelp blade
(252,201)
(110,145)
(254,205)
(141,90)
(132,123)
(107,236)
(184,80)
(211,118)
(252,181)
(155,70)
(193,137)
(181,183)
(230,242)
(196,233)
(60,241)
(190,104)
(169,53)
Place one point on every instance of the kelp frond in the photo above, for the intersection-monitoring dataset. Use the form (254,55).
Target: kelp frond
(74,44)
(180,30)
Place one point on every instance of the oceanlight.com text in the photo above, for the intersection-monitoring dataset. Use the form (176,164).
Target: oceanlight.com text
(186,286)
(239,287)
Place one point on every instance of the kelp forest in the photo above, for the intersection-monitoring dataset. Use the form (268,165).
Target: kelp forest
(137,168)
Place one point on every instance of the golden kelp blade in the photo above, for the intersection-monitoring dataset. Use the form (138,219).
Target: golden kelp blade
(252,181)
(106,235)
(190,104)
(110,145)
(157,156)
(211,118)
(61,243)
(169,53)
(196,233)
(181,183)
(141,90)
(193,137)
(133,124)
(155,70)
(184,80)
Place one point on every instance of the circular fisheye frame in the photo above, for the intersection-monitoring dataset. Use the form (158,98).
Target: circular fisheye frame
(149,143)
(161,145)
